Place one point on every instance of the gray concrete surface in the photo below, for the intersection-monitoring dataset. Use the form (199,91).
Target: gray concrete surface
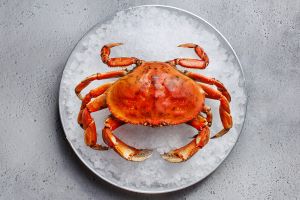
(36,38)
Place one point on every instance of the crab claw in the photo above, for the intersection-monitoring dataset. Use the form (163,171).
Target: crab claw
(123,149)
(131,153)
(173,157)
(142,155)
(187,151)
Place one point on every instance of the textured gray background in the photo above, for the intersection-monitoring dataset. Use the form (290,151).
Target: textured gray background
(36,39)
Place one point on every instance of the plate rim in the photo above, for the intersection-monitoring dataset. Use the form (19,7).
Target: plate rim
(128,188)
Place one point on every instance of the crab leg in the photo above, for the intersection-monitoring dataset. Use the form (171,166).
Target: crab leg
(210,81)
(97,76)
(124,150)
(224,108)
(88,123)
(200,140)
(115,62)
(192,63)
(92,94)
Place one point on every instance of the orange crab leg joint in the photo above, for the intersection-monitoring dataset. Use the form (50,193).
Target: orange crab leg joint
(210,81)
(83,84)
(115,62)
(192,63)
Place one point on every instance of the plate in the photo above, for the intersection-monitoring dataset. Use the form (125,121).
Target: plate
(152,33)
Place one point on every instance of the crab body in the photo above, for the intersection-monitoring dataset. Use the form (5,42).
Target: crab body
(153,94)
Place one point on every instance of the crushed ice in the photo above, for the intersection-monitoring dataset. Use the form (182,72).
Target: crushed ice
(152,33)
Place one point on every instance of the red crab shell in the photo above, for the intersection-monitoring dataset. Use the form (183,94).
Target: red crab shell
(155,93)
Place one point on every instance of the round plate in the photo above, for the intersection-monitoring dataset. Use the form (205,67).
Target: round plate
(152,33)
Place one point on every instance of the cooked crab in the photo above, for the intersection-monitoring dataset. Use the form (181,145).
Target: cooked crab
(153,94)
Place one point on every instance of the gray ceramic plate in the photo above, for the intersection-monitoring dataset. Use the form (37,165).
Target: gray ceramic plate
(152,33)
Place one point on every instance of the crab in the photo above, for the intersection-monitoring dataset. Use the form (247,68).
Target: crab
(153,94)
